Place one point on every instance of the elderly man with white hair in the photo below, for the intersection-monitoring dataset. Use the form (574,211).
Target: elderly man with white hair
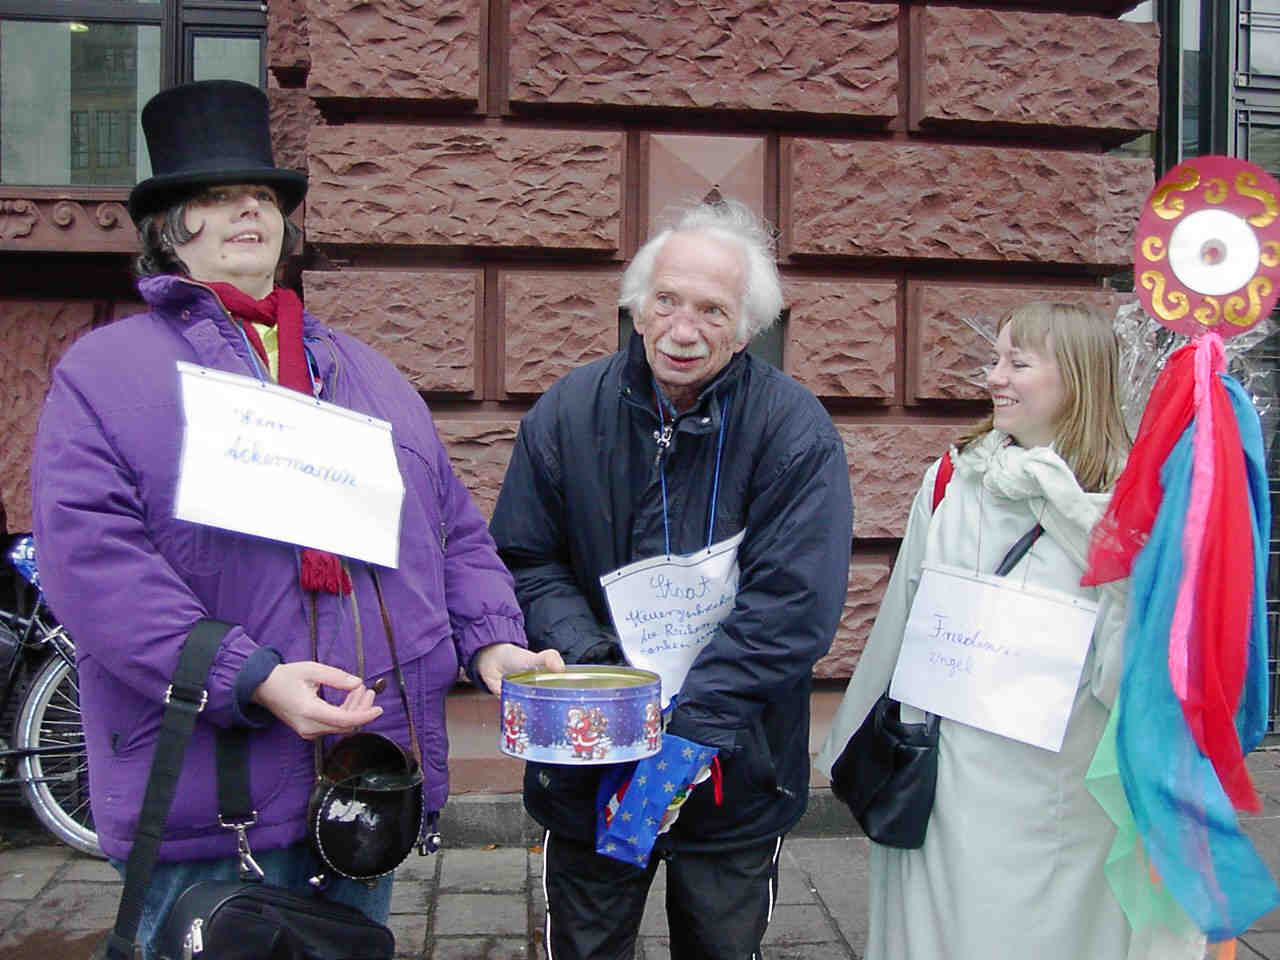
(683,453)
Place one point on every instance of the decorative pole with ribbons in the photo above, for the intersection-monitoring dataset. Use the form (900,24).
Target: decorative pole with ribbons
(1189,522)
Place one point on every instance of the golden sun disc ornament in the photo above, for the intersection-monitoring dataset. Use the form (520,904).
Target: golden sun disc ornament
(1207,252)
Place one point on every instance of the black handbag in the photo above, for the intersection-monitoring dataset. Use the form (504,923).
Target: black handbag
(888,771)
(248,920)
(226,920)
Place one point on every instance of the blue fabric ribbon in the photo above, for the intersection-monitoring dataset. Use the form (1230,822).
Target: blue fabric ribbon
(1185,819)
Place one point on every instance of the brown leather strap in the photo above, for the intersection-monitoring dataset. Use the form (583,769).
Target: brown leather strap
(316,749)
(395,662)
(355,615)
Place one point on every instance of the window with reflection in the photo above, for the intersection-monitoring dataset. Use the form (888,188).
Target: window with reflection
(74,75)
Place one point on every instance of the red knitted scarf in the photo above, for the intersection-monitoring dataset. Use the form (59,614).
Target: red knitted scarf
(282,309)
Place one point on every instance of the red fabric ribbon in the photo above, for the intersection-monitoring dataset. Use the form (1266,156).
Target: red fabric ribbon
(1124,528)
(282,309)
(1219,645)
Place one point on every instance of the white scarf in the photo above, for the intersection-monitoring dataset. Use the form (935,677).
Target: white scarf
(1018,473)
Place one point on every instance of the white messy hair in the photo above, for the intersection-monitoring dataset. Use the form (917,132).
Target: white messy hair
(734,223)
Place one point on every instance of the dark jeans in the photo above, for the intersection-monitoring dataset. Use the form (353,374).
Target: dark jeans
(718,904)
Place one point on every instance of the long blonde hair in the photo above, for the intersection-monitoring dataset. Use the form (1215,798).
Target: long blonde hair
(1090,435)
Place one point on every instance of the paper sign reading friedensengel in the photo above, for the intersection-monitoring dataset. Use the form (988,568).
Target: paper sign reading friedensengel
(666,609)
(984,651)
(261,459)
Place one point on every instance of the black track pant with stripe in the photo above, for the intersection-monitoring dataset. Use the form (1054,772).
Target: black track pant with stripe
(718,904)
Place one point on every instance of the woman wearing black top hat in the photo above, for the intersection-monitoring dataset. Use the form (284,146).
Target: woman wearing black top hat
(312,632)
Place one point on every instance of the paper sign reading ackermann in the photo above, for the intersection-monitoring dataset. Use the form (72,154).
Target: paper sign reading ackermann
(261,459)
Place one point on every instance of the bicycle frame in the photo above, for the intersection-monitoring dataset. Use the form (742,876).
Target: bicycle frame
(34,635)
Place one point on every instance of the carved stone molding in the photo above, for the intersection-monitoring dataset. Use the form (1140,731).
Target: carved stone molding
(111,215)
(47,222)
(17,218)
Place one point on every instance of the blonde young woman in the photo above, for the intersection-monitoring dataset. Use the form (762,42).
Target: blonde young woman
(1012,861)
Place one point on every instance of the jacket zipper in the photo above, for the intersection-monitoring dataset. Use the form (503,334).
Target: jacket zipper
(664,441)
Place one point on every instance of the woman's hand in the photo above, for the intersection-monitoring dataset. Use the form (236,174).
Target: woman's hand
(498,659)
(292,692)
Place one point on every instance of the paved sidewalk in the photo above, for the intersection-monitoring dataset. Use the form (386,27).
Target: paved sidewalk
(485,901)
(473,902)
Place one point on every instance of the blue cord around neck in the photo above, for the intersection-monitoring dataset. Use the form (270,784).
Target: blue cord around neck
(265,376)
(715,480)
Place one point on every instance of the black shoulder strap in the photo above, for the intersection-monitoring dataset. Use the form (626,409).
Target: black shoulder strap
(1019,550)
(184,700)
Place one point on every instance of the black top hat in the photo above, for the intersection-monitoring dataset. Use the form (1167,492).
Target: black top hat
(209,133)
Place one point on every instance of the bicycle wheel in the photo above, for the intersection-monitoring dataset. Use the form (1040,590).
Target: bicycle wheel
(56,785)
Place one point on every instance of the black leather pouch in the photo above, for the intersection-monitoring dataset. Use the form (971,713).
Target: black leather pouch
(887,774)
(246,920)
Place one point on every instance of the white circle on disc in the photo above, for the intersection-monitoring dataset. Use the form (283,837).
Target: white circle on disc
(1213,252)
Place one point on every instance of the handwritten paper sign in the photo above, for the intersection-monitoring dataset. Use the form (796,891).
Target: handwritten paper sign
(666,609)
(260,459)
(984,651)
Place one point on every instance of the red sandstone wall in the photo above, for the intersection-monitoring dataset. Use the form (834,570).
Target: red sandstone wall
(482,169)
(33,336)
(480,172)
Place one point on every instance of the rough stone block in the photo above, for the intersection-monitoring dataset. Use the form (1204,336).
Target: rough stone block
(33,336)
(553,323)
(951,353)
(873,199)
(287,47)
(886,464)
(484,186)
(1002,66)
(480,451)
(1102,7)
(293,114)
(867,582)
(424,322)
(730,54)
(395,49)
(841,336)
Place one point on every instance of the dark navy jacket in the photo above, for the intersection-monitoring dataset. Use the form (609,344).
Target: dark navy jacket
(582,497)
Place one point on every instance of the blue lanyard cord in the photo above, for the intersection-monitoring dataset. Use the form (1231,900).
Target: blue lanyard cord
(312,372)
(663,440)
(715,483)
(254,359)
(662,473)
(262,375)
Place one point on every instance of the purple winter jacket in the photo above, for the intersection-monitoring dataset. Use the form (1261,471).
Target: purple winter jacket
(128,580)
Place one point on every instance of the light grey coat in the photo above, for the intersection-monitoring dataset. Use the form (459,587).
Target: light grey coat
(1012,863)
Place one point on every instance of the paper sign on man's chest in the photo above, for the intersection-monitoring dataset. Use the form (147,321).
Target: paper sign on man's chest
(261,459)
(666,609)
(983,651)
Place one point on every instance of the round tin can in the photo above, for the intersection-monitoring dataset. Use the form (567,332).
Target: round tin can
(586,715)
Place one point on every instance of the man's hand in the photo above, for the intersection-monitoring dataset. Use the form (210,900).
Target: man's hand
(292,692)
(498,659)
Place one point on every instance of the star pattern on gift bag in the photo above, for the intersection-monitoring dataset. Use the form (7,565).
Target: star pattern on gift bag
(634,807)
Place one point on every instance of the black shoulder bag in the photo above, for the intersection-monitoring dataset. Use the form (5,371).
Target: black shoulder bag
(226,920)
(888,771)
